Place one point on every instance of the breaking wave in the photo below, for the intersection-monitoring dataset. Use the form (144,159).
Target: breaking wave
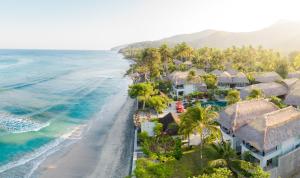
(19,124)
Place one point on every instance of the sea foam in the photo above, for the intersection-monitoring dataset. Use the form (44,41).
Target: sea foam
(19,124)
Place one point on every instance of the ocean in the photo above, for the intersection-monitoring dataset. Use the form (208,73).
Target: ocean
(46,96)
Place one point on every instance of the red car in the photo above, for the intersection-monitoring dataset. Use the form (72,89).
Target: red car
(179,107)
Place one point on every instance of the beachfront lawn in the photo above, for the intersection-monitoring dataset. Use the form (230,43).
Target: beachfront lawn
(189,165)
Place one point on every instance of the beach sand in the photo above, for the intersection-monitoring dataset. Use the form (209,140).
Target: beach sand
(104,149)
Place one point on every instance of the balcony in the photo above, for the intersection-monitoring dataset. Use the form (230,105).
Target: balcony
(179,86)
(258,152)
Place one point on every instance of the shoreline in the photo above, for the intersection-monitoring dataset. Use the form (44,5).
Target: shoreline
(104,149)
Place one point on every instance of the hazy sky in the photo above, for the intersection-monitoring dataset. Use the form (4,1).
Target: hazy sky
(101,24)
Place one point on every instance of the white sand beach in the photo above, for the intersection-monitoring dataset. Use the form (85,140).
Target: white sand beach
(105,149)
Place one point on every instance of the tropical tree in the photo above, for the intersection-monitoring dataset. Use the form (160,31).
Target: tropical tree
(255,94)
(159,103)
(217,173)
(233,96)
(296,62)
(191,75)
(141,91)
(166,56)
(186,126)
(210,81)
(183,52)
(151,61)
(225,156)
(202,120)
(282,68)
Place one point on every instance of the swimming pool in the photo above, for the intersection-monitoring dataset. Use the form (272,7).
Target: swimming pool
(214,103)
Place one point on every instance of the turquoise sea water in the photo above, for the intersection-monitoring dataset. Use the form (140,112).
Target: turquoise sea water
(45,94)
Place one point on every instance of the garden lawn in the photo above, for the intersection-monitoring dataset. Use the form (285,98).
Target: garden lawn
(190,163)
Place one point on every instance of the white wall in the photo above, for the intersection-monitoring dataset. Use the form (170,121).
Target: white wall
(148,127)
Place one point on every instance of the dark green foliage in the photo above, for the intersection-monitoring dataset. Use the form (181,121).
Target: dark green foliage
(255,94)
(233,96)
(282,68)
(177,151)
(277,101)
(210,81)
(151,169)
(164,86)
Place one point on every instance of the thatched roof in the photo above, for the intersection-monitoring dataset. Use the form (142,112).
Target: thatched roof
(271,129)
(269,89)
(198,71)
(224,77)
(240,78)
(177,62)
(232,71)
(216,72)
(180,78)
(289,82)
(239,114)
(293,97)
(267,77)
(294,74)
(168,119)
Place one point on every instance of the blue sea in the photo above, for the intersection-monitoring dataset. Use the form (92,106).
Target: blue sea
(45,94)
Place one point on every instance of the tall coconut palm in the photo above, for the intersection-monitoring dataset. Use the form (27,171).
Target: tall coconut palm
(225,156)
(166,56)
(183,52)
(186,126)
(202,120)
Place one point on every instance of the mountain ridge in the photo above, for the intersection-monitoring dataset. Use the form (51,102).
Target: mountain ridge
(282,36)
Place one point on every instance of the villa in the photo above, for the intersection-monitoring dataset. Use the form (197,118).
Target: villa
(293,96)
(224,80)
(268,89)
(239,114)
(239,80)
(231,79)
(267,77)
(182,86)
(269,134)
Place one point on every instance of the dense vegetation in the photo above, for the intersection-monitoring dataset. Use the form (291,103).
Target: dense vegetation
(247,59)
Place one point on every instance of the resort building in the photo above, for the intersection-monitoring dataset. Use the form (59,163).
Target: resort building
(239,80)
(239,114)
(268,89)
(293,96)
(216,72)
(267,77)
(270,135)
(224,80)
(183,86)
(231,79)
(170,124)
(199,72)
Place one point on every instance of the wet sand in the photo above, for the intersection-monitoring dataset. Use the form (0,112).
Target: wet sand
(105,149)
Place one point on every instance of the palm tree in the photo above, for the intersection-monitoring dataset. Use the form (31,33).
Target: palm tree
(183,52)
(225,156)
(186,127)
(166,56)
(201,120)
